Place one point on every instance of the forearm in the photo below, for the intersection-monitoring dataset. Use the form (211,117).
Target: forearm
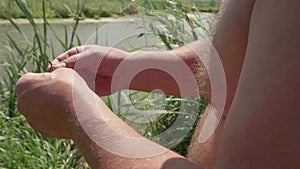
(104,144)
(174,72)
(98,157)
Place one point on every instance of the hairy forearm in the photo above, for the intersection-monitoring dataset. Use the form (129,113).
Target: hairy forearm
(102,136)
(174,72)
(99,157)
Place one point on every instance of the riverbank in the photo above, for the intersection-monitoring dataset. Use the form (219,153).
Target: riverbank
(97,8)
(68,21)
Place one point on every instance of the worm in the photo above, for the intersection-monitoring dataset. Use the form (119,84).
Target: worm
(51,66)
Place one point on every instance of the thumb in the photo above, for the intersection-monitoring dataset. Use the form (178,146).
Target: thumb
(71,61)
(66,63)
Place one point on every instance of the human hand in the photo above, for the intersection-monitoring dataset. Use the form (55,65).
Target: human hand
(96,64)
(46,101)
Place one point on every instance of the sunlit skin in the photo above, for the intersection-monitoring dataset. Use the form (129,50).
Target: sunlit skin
(258,44)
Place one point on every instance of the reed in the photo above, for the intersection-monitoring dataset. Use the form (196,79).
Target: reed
(20,146)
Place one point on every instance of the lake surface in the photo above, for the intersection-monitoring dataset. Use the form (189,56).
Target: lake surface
(115,33)
(118,33)
(122,33)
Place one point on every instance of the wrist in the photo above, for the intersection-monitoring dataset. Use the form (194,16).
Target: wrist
(150,70)
(82,107)
(112,58)
(190,54)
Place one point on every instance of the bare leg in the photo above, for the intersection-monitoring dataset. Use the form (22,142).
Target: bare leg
(262,128)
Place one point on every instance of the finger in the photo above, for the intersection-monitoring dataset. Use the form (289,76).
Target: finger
(55,65)
(84,60)
(68,62)
(71,52)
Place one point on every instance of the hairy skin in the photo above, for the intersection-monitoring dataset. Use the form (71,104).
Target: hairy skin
(230,41)
(111,57)
(261,62)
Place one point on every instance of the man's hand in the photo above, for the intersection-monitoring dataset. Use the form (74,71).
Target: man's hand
(46,101)
(96,64)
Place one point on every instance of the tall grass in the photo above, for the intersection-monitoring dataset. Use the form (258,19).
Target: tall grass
(175,27)
(21,147)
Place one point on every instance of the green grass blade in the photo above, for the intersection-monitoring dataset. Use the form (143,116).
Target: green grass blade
(25,11)
(15,45)
(97,35)
(78,40)
(15,25)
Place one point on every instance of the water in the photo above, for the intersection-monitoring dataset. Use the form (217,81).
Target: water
(120,33)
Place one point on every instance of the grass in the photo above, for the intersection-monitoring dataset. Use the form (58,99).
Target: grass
(21,147)
(94,8)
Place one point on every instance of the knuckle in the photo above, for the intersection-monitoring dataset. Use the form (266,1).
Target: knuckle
(28,81)
(23,83)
